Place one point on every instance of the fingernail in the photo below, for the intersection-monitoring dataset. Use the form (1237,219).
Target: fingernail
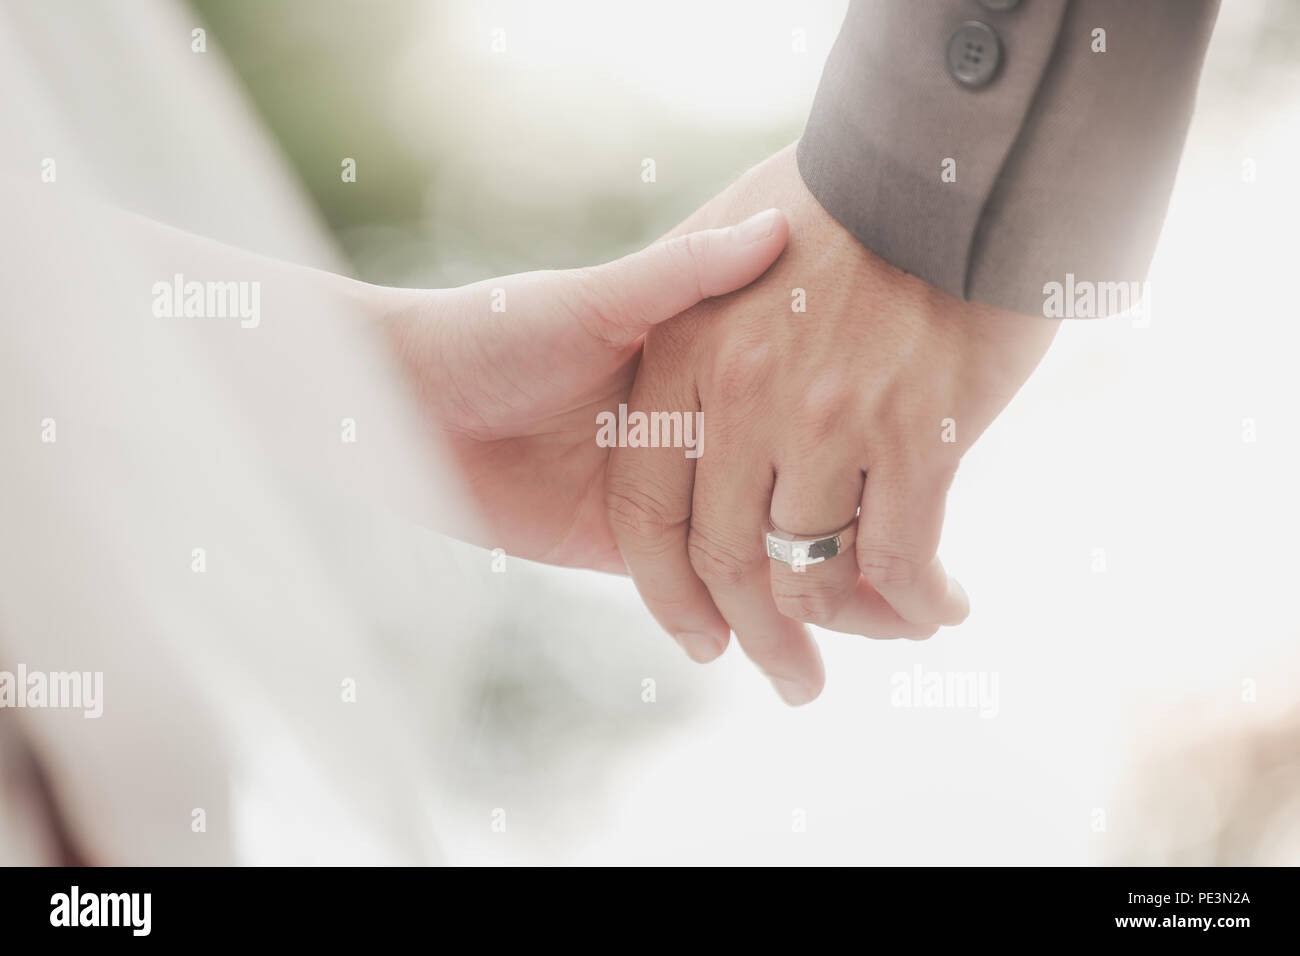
(792,692)
(701,648)
(756,227)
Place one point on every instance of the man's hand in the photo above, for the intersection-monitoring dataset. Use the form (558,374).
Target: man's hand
(866,399)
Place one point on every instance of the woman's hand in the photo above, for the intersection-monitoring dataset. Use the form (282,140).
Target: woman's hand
(511,374)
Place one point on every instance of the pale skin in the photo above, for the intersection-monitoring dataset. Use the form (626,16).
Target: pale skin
(514,395)
(866,400)
(808,416)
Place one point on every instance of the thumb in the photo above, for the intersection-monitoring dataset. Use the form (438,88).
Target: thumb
(632,294)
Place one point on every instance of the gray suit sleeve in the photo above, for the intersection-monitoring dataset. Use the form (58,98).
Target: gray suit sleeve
(1064,156)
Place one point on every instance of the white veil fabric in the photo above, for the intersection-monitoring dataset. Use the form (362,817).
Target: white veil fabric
(214,515)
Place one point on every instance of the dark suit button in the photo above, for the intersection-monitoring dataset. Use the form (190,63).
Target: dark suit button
(974,53)
(999,4)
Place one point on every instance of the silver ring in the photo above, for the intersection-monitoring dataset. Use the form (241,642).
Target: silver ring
(799,551)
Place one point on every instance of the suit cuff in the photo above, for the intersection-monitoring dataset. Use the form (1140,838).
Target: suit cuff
(1059,162)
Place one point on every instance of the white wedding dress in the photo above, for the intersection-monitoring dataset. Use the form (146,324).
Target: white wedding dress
(178,507)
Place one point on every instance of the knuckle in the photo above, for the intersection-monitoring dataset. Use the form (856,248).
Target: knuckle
(888,569)
(587,289)
(689,255)
(917,449)
(742,370)
(814,430)
(635,515)
(812,602)
(593,299)
(718,563)
(669,600)
(824,400)
(697,248)
(932,470)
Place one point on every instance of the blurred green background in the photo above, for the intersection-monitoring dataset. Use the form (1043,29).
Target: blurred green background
(495,137)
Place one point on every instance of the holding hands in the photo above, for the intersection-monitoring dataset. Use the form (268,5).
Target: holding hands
(836,427)
(514,393)
(850,415)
